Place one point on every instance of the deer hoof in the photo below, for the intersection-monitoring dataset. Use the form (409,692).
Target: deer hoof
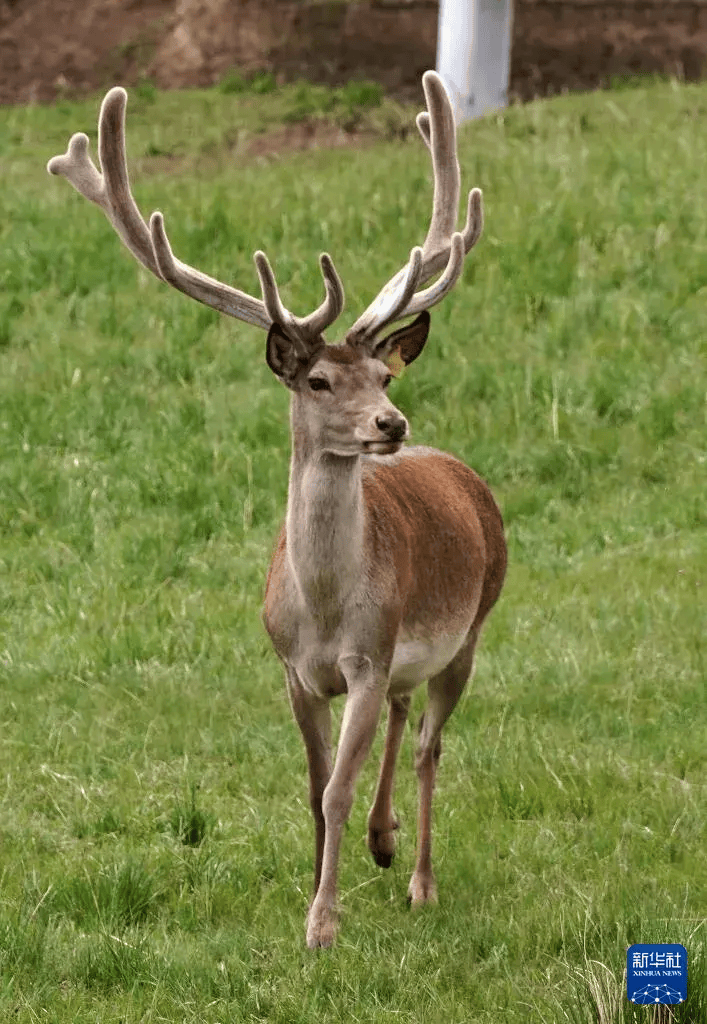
(381,843)
(422,889)
(322,926)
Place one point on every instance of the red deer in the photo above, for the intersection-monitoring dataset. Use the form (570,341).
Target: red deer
(390,557)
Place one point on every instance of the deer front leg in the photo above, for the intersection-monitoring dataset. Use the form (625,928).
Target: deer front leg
(313,716)
(366,693)
(382,823)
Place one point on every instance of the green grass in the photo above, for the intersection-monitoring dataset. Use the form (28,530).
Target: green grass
(155,841)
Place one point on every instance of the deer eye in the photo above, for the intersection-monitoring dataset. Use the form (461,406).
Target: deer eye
(387,380)
(319,384)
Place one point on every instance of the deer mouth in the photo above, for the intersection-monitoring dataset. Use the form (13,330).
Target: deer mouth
(382,447)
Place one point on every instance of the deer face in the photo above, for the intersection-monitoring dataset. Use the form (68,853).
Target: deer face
(339,396)
(343,397)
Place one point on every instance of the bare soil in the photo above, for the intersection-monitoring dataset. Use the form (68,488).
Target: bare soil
(50,48)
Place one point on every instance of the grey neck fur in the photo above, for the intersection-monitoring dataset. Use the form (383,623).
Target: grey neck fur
(325,523)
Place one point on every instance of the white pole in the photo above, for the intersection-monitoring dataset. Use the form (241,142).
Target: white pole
(474,54)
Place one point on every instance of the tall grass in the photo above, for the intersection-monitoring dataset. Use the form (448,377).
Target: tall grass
(155,838)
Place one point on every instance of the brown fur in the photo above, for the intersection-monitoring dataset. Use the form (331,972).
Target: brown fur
(436,530)
(427,512)
(394,555)
(446,530)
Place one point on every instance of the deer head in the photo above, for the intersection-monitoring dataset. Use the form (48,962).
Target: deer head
(296,349)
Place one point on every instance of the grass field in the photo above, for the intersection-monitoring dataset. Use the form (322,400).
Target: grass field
(155,838)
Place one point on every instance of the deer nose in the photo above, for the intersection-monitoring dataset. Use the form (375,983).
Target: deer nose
(393,427)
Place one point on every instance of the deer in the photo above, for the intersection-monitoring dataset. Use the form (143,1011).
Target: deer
(391,556)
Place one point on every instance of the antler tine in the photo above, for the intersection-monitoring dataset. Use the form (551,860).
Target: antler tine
(445,167)
(444,249)
(301,329)
(436,292)
(474,219)
(333,303)
(110,189)
(475,215)
(271,296)
(423,126)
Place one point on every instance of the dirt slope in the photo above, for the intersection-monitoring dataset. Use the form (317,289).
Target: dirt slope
(53,47)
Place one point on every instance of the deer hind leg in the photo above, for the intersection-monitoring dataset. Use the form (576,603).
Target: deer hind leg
(313,716)
(382,822)
(444,691)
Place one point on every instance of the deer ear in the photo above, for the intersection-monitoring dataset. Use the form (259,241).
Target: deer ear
(403,346)
(281,356)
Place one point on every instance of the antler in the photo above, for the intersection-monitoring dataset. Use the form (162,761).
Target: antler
(110,190)
(443,248)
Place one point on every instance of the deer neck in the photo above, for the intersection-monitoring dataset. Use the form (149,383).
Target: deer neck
(325,525)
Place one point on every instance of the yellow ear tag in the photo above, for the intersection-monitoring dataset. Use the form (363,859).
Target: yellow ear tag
(395,362)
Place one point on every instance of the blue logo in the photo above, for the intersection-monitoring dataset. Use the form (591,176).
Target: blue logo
(656,973)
